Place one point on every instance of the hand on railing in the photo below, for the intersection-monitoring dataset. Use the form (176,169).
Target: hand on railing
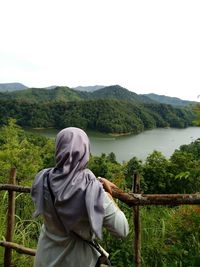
(107,185)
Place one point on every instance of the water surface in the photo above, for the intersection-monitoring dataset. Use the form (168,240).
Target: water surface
(141,145)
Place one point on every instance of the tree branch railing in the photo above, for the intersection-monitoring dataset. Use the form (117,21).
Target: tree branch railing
(134,200)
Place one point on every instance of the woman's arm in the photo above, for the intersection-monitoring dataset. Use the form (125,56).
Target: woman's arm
(107,185)
(114,219)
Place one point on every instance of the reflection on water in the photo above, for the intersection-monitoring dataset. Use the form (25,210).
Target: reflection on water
(141,145)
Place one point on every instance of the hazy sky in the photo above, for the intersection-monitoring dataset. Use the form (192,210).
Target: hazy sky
(144,46)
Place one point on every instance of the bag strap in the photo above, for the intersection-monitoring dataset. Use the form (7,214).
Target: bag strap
(96,245)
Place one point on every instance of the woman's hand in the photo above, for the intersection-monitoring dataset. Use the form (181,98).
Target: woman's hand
(107,185)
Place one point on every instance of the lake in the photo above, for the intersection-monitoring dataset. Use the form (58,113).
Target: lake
(140,145)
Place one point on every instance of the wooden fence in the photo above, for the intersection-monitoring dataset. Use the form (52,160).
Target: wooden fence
(134,200)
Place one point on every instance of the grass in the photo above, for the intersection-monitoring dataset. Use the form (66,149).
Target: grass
(26,230)
(170,236)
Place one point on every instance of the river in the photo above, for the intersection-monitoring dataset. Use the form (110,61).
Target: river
(140,145)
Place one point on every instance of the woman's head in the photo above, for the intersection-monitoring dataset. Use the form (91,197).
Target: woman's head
(77,192)
(72,149)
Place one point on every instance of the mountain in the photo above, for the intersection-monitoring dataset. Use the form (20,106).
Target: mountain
(10,87)
(120,93)
(44,95)
(88,88)
(67,94)
(108,116)
(50,87)
(112,109)
(174,101)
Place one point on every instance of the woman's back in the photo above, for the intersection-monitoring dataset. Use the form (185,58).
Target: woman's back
(74,206)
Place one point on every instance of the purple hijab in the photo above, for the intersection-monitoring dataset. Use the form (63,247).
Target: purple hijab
(78,194)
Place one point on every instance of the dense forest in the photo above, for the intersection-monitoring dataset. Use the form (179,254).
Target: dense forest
(170,236)
(67,94)
(111,110)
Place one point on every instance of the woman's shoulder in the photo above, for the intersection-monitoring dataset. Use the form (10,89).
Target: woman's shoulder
(89,172)
(43,171)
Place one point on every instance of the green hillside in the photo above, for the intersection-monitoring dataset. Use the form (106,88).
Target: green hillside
(67,94)
(118,92)
(174,101)
(43,95)
(111,109)
(109,116)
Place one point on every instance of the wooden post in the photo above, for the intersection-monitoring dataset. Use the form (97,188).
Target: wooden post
(137,226)
(10,219)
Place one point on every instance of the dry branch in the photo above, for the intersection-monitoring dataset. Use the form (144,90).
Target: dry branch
(156,199)
(18,248)
(17,188)
(132,199)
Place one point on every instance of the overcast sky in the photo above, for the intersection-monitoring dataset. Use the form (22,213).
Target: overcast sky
(144,46)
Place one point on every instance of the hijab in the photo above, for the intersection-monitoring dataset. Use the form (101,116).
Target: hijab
(76,190)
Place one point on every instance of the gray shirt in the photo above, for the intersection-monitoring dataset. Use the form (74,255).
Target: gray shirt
(58,249)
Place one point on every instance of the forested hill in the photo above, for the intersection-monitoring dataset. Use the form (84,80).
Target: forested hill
(111,110)
(174,101)
(64,93)
(109,116)
(118,92)
(67,94)
(44,95)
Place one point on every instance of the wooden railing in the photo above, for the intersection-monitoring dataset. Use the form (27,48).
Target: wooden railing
(134,200)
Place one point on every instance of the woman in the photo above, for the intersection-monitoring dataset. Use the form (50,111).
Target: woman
(74,206)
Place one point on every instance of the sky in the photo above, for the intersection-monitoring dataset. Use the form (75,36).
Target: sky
(146,46)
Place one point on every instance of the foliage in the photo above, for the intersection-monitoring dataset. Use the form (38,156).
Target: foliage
(17,149)
(155,171)
(170,236)
(106,166)
(133,166)
(111,110)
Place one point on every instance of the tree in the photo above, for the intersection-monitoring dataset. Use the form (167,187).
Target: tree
(131,167)
(156,175)
(16,150)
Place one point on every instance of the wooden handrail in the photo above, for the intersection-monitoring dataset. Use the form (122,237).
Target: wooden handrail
(16,188)
(18,248)
(132,199)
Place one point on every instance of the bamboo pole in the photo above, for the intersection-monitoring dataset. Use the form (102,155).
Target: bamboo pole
(18,248)
(16,188)
(132,199)
(10,219)
(137,224)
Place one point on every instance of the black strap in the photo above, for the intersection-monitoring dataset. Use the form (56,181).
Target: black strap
(93,243)
(103,259)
